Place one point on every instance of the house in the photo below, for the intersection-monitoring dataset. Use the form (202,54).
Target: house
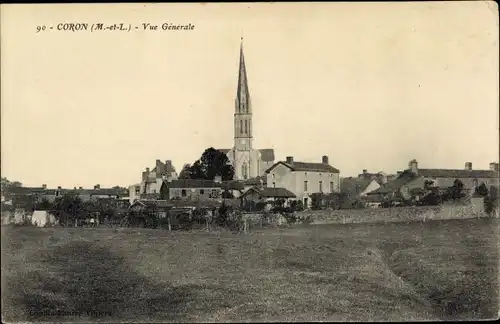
(415,178)
(355,188)
(184,189)
(304,178)
(258,194)
(152,179)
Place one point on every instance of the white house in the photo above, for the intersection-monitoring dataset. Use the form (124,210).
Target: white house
(304,178)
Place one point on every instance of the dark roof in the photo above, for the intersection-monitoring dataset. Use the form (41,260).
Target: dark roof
(457,173)
(150,196)
(271,192)
(233,185)
(48,192)
(306,166)
(267,155)
(353,187)
(394,185)
(153,203)
(193,183)
(255,181)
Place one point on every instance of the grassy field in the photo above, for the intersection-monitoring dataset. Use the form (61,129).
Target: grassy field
(379,272)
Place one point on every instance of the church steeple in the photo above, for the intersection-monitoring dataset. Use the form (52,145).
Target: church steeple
(243,108)
(243,104)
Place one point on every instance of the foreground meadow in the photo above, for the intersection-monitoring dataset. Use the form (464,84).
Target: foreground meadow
(380,272)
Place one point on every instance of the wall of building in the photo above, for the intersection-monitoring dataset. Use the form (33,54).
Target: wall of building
(194,193)
(134,192)
(469,183)
(264,165)
(283,177)
(252,159)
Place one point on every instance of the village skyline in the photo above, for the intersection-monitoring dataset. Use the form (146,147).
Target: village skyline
(104,107)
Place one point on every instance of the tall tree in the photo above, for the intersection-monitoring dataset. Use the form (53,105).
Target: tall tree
(185,172)
(212,163)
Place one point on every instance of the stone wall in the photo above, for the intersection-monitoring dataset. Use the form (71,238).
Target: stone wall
(395,214)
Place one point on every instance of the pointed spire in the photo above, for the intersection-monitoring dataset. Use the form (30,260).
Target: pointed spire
(243,94)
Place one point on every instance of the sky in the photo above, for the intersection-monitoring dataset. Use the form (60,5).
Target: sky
(371,85)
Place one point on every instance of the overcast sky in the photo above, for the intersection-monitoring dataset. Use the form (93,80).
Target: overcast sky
(371,85)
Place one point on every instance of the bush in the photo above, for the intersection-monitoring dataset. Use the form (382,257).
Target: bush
(291,218)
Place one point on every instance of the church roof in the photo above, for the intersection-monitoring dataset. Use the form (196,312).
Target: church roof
(267,155)
(243,90)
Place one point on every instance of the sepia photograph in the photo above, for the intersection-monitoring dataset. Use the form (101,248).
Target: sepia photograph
(250,162)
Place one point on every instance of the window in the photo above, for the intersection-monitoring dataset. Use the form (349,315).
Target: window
(214,193)
(183,193)
(202,192)
(246,127)
(274,184)
(305,185)
(321,186)
(241,126)
(331,186)
(244,170)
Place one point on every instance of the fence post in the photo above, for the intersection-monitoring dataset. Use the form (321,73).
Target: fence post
(245,225)
(169,225)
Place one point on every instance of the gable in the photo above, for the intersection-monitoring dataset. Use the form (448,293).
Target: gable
(281,170)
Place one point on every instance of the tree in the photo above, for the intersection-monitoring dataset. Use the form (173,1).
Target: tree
(482,190)
(44,204)
(185,172)
(212,163)
(491,200)
(457,190)
(6,184)
(69,207)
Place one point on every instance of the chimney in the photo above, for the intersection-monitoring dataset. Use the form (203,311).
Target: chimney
(169,178)
(59,187)
(365,171)
(159,167)
(74,188)
(468,166)
(97,186)
(383,178)
(144,176)
(493,166)
(44,186)
(325,159)
(217,179)
(413,166)
(147,170)
(289,159)
(81,188)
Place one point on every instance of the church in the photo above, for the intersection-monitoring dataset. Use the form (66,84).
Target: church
(247,162)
